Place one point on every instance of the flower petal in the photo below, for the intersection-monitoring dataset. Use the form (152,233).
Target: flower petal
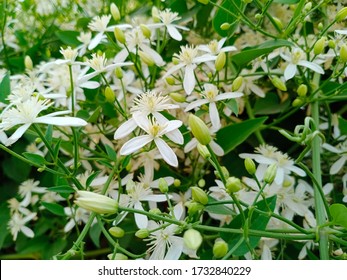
(135,144)
(125,129)
(63,121)
(189,79)
(167,153)
(174,33)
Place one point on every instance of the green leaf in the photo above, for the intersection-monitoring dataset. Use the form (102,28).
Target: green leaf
(339,213)
(112,155)
(94,233)
(219,209)
(35,158)
(54,208)
(5,88)
(68,37)
(231,17)
(258,222)
(233,106)
(94,117)
(63,189)
(233,135)
(249,54)
(343,126)
(271,104)
(91,178)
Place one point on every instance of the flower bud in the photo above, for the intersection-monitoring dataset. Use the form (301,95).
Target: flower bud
(155,14)
(175,61)
(237,83)
(163,185)
(220,248)
(278,22)
(199,130)
(178,97)
(177,183)
(298,102)
(115,12)
(233,185)
(118,257)
(28,63)
(199,195)
(145,30)
(341,15)
(109,95)
(302,90)
(319,46)
(97,203)
(250,166)
(116,232)
(205,2)
(119,73)
(332,44)
(192,239)
(258,16)
(308,7)
(278,83)
(119,35)
(320,26)
(203,151)
(194,207)
(170,80)
(146,58)
(142,233)
(220,61)
(201,183)
(270,173)
(225,173)
(155,211)
(225,26)
(343,53)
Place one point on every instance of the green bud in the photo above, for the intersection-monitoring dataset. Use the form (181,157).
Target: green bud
(278,83)
(177,183)
(332,44)
(178,97)
(341,15)
(119,73)
(320,26)
(194,207)
(155,14)
(220,61)
(298,102)
(203,151)
(225,26)
(146,58)
(199,130)
(237,83)
(278,22)
(270,173)
(308,7)
(116,232)
(118,257)
(119,35)
(302,90)
(201,183)
(225,173)
(170,80)
(199,195)
(233,185)
(343,53)
(115,12)
(250,166)
(109,95)
(220,248)
(319,46)
(97,203)
(175,60)
(28,63)
(258,16)
(142,233)
(205,2)
(163,185)
(145,30)
(155,211)
(192,239)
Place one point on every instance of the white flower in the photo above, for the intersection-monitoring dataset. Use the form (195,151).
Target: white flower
(167,18)
(211,96)
(248,83)
(25,114)
(154,132)
(27,188)
(188,59)
(17,224)
(77,217)
(341,150)
(84,38)
(99,63)
(296,58)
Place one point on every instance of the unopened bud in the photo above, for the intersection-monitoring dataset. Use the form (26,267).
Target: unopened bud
(145,30)
(220,248)
(237,83)
(97,203)
(205,2)
(192,239)
(225,26)
(170,80)
(278,22)
(163,185)
(194,207)
(28,63)
(201,183)
(332,44)
(117,256)
(146,58)
(119,35)
(224,171)
(270,173)
(320,26)
(178,97)
(115,12)
(155,211)
(302,90)
(109,95)
(116,232)
(119,73)
(298,102)
(343,53)
(175,60)
(203,151)
(278,83)
(308,7)
(250,166)
(258,16)
(220,61)
(142,233)
(319,46)
(341,15)
(177,183)
(233,185)
(199,195)
(199,130)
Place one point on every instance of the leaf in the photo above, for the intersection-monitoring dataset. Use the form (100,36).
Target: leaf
(343,126)
(233,106)
(339,213)
(94,233)
(233,135)
(270,105)
(68,37)
(54,208)
(91,178)
(231,17)
(112,155)
(249,54)
(94,117)
(63,189)
(219,209)
(258,222)
(5,88)
(35,158)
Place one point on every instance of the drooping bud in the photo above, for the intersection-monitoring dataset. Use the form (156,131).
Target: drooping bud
(28,63)
(220,248)
(319,46)
(203,151)
(199,195)
(146,31)
(250,166)
(237,83)
(225,26)
(163,185)
(220,61)
(341,15)
(343,53)
(302,90)
(97,203)
(233,185)
(116,232)
(142,233)
(199,130)
(270,173)
(192,239)
(109,95)
(278,83)
(115,12)
(146,58)
(119,35)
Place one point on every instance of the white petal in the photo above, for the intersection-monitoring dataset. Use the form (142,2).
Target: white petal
(174,32)
(290,71)
(218,150)
(214,115)
(63,121)
(135,144)
(313,66)
(27,232)
(228,95)
(175,136)
(125,129)
(173,69)
(96,40)
(190,145)
(156,56)
(196,103)
(121,56)
(140,220)
(17,134)
(167,153)
(155,197)
(279,176)
(175,249)
(189,79)
(171,126)
(336,167)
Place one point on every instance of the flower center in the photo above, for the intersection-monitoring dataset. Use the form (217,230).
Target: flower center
(187,54)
